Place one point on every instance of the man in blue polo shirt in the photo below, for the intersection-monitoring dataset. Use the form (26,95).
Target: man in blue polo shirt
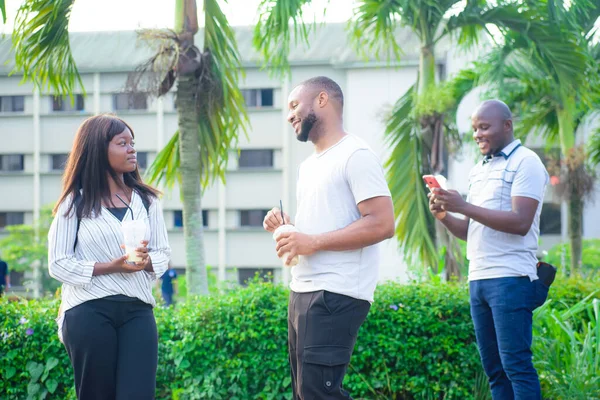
(168,285)
(501,227)
(4,277)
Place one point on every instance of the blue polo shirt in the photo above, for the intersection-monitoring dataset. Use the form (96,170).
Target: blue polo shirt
(167,281)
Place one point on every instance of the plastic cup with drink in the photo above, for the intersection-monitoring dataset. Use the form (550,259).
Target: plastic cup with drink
(134,231)
(281,229)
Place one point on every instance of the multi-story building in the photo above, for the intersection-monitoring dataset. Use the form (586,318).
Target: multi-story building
(37,130)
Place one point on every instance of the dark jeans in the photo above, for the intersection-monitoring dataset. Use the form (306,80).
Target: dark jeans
(322,331)
(502,314)
(168,298)
(113,347)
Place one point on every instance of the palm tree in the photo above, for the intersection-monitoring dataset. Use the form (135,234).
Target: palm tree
(420,128)
(210,106)
(533,88)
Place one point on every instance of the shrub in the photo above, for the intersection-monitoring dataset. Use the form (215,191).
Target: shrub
(35,364)
(567,351)
(560,256)
(417,343)
(566,292)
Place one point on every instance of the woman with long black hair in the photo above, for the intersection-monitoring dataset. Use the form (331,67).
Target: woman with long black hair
(106,320)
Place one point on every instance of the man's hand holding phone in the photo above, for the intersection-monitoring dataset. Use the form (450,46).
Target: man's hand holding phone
(433,183)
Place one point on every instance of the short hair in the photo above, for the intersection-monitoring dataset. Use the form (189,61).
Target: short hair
(497,105)
(323,83)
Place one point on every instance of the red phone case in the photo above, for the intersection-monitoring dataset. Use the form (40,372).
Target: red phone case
(431,182)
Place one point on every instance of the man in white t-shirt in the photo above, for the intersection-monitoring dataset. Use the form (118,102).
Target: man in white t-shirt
(344,211)
(501,227)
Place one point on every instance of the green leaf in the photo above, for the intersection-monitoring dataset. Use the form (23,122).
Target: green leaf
(51,385)
(33,389)
(42,47)
(413,220)
(3,10)
(594,147)
(279,23)
(165,168)
(35,370)
(51,363)
(10,372)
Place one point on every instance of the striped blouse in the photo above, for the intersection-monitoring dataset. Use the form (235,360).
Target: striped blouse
(98,241)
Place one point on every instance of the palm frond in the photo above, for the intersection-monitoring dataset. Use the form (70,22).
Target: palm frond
(3,11)
(225,114)
(273,34)
(373,28)
(467,35)
(594,148)
(41,45)
(414,222)
(528,30)
(580,15)
(165,168)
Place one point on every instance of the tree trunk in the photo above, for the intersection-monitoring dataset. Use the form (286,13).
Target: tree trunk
(196,275)
(426,68)
(575,218)
(433,146)
(566,131)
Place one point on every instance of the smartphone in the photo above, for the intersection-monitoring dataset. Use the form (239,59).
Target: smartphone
(435,181)
(431,182)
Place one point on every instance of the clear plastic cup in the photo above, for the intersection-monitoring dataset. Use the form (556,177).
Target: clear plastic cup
(134,231)
(279,231)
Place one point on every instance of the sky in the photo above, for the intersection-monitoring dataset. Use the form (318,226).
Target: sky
(109,15)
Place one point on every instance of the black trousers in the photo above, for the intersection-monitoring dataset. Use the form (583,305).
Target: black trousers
(322,331)
(113,347)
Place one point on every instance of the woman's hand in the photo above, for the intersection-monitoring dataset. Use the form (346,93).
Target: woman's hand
(120,265)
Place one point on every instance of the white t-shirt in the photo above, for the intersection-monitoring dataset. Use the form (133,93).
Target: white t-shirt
(518,172)
(330,186)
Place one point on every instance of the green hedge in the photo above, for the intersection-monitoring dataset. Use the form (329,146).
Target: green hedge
(560,256)
(417,343)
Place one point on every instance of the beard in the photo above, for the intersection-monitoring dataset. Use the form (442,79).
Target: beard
(306,126)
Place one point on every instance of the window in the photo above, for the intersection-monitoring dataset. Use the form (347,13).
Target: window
(258,97)
(252,217)
(551,219)
(178,218)
(256,159)
(142,159)
(11,218)
(59,161)
(11,162)
(17,278)
(12,103)
(64,103)
(130,101)
(248,274)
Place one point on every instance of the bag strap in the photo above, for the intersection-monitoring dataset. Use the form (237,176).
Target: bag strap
(77,202)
